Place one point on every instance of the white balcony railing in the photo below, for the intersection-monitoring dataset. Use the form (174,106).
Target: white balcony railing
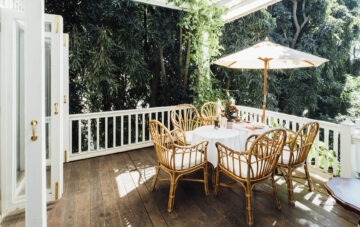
(102,133)
(109,132)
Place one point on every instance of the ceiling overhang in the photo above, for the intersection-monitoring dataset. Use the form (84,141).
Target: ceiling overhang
(236,8)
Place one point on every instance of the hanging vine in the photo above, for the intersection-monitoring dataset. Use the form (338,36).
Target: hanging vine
(203,23)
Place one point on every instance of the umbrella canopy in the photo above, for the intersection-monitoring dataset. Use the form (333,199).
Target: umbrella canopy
(267,55)
(280,58)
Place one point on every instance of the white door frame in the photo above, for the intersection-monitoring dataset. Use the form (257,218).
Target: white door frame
(35,160)
(57,104)
(66,100)
(10,19)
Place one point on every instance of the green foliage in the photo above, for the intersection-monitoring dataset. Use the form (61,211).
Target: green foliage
(204,23)
(313,92)
(124,54)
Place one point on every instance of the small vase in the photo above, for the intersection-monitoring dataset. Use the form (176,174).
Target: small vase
(229,124)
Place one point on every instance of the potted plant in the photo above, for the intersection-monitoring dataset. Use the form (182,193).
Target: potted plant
(230,112)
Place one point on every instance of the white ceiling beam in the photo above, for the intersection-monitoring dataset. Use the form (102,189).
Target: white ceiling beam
(237,8)
(163,3)
(245,8)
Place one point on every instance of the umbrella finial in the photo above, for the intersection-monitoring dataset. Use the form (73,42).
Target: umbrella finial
(267,39)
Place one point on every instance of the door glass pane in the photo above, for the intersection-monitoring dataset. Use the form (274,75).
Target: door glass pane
(48,109)
(20,138)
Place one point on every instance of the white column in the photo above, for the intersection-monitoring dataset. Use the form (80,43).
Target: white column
(346,147)
(35,208)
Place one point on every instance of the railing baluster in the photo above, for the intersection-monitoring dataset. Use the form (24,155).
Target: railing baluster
(79,125)
(106,132)
(129,129)
(122,130)
(143,127)
(168,120)
(316,150)
(336,149)
(97,133)
(136,128)
(89,133)
(114,131)
(70,137)
(327,149)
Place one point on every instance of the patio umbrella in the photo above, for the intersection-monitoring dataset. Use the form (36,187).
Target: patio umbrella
(267,55)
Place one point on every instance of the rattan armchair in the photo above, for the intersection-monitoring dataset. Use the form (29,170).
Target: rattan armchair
(253,166)
(295,153)
(177,160)
(210,112)
(187,118)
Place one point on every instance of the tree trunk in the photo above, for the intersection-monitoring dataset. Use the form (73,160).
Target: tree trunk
(187,63)
(298,27)
(162,64)
(154,84)
(180,52)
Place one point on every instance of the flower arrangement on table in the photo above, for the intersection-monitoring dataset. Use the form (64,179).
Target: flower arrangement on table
(230,112)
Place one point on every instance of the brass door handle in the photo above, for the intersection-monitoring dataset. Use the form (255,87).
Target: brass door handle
(33,124)
(56,105)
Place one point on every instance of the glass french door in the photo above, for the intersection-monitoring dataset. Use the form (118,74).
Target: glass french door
(27,133)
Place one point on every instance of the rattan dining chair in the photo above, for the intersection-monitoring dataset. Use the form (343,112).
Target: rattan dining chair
(295,153)
(253,166)
(177,160)
(210,112)
(187,118)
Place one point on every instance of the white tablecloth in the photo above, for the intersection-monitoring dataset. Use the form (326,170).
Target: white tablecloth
(229,137)
(245,132)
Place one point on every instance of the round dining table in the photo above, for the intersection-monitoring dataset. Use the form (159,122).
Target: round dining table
(234,138)
(228,137)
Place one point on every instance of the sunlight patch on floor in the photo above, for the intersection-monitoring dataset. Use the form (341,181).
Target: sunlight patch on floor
(303,221)
(302,206)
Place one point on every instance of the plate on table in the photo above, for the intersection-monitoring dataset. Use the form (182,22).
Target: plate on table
(258,125)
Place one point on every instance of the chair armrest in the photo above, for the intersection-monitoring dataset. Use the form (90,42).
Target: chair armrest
(201,146)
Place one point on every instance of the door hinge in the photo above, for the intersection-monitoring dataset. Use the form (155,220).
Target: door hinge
(65,99)
(65,155)
(57,24)
(64,40)
(56,190)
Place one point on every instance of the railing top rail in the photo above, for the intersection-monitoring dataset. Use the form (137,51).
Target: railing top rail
(119,112)
(290,117)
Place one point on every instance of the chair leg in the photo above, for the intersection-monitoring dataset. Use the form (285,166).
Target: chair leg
(217,181)
(278,204)
(206,183)
(249,216)
(308,177)
(155,177)
(172,193)
(290,187)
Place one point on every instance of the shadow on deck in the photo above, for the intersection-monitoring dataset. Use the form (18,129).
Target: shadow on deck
(113,190)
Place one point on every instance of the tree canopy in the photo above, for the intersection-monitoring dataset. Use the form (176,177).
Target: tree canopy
(124,54)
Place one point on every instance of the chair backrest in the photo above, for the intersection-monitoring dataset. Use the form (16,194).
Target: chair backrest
(210,112)
(301,144)
(260,159)
(163,142)
(266,148)
(185,117)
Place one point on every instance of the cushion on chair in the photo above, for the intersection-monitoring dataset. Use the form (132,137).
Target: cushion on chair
(188,135)
(243,166)
(196,159)
(286,156)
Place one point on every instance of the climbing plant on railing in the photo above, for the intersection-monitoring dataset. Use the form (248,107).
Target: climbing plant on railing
(203,23)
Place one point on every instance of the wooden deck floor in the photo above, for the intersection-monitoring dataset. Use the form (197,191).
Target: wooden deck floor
(114,191)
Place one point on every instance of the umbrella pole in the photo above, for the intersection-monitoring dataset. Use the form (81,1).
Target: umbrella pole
(265,79)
